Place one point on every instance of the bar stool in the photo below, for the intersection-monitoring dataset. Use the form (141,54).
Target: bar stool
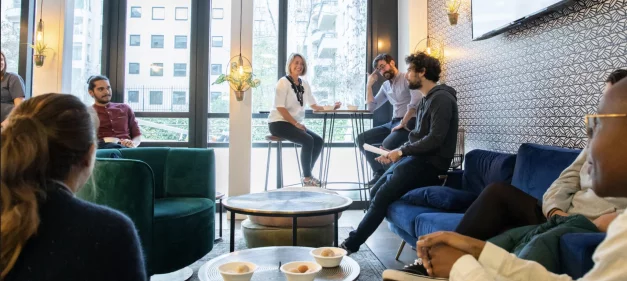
(279,162)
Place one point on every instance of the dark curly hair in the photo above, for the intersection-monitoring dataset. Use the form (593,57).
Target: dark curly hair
(616,76)
(422,62)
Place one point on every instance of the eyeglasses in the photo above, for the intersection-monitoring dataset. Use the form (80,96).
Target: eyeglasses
(592,120)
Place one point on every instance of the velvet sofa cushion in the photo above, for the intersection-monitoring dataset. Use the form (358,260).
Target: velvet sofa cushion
(440,197)
(537,166)
(483,167)
(183,231)
(577,249)
(431,222)
(404,214)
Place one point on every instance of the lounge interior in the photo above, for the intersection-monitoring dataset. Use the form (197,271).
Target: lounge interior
(202,186)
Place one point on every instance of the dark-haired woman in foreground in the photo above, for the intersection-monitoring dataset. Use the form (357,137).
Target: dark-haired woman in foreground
(48,153)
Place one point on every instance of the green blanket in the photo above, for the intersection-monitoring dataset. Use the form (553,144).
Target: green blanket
(541,243)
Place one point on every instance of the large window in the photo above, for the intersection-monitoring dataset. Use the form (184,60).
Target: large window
(265,56)
(162,85)
(332,37)
(87,46)
(10,37)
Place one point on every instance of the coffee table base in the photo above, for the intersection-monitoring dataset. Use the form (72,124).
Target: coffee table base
(267,260)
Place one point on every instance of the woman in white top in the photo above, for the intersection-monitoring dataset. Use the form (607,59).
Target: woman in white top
(288,113)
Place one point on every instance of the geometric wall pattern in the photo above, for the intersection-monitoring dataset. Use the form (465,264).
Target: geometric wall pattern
(536,82)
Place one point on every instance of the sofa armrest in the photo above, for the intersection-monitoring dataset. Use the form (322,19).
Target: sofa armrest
(125,185)
(576,251)
(190,172)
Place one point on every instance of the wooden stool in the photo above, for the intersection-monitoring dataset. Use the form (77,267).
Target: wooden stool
(279,160)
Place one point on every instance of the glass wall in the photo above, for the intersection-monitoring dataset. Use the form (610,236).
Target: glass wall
(86,45)
(10,13)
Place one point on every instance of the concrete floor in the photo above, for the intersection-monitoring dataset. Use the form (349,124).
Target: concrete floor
(383,242)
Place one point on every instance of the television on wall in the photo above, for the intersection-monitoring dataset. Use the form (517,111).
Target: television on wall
(492,17)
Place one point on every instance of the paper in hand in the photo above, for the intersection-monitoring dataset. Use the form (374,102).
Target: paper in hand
(376,150)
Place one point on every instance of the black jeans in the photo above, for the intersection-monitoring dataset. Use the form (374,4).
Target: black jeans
(383,135)
(408,173)
(500,207)
(311,143)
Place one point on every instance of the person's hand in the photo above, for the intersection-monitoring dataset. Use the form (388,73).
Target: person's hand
(603,222)
(383,160)
(559,213)
(400,127)
(127,143)
(337,105)
(463,243)
(372,78)
(442,259)
(4,123)
(300,126)
(394,155)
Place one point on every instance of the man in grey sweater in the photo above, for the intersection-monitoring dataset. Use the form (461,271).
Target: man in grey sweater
(427,154)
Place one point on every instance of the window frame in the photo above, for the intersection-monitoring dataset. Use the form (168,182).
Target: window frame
(184,94)
(150,97)
(213,44)
(129,96)
(152,67)
(137,8)
(130,40)
(176,9)
(213,12)
(138,68)
(152,41)
(186,42)
(217,72)
(153,12)
(174,70)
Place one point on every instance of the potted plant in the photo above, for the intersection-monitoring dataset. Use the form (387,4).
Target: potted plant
(452,8)
(40,52)
(240,78)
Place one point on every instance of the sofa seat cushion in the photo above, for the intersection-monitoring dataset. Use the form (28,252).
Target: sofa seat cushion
(441,197)
(173,208)
(403,215)
(183,231)
(432,222)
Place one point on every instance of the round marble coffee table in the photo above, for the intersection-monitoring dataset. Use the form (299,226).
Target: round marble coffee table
(267,260)
(292,204)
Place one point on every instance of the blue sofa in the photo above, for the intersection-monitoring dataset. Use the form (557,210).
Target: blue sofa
(533,169)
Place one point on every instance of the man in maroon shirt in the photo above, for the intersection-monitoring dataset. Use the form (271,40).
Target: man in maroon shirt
(118,127)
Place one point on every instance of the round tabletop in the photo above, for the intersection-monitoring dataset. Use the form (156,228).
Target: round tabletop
(288,203)
(267,260)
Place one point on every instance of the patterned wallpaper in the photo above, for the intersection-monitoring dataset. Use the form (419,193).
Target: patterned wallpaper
(536,82)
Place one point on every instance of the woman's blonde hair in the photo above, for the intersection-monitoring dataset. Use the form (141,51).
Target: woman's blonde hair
(291,59)
(46,137)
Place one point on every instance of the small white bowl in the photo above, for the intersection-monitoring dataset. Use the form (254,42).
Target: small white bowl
(110,139)
(329,107)
(310,275)
(229,271)
(328,261)
(351,107)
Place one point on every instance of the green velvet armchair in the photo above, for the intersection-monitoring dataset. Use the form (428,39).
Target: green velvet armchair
(169,193)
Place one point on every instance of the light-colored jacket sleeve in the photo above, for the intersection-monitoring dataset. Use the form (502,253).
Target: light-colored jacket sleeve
(379,99)
(495,263)
(560,194)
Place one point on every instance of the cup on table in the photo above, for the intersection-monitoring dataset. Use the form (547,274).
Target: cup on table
(328,107)
(301,270)
(351,107)
(328,256)
(237,271)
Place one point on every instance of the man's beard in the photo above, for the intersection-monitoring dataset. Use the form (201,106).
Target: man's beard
(388,74)
(102,100)
(415,85)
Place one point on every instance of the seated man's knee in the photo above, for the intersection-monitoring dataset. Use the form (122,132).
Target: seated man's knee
(498,190)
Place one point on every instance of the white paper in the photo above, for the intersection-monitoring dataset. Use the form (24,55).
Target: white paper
(376,150)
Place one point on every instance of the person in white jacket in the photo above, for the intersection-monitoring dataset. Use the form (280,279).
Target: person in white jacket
(458,257)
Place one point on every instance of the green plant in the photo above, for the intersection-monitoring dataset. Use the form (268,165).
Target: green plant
(40,48)
(240,78)
(452,6)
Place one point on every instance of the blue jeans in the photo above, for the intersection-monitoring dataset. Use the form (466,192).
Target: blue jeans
(383,136)
(403,176)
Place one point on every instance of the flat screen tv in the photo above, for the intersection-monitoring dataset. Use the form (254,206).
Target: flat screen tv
(491,17)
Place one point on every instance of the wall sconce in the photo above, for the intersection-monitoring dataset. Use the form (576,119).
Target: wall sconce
(240,71)
(452,8)
(432,47)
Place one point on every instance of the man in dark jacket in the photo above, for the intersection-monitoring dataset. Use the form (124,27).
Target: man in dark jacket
(427,154)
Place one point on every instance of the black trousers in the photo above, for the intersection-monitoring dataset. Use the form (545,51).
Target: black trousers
(311,143)
(500,207)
